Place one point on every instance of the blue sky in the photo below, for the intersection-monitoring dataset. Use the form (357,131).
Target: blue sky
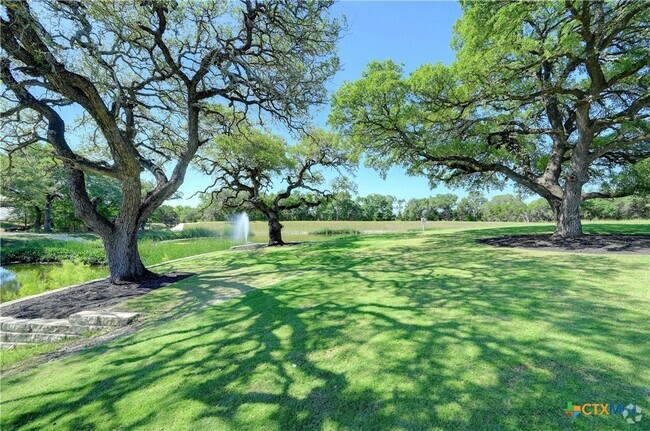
(412,33)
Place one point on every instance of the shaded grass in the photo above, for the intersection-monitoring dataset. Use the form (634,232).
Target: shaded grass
(403,331)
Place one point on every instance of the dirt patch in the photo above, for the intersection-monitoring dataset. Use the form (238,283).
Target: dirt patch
(90,296)
(598,244)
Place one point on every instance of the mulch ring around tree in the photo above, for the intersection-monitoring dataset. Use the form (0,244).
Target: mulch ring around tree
(598,244)
(95,295)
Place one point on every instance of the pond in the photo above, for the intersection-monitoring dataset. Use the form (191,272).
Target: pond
(36,278)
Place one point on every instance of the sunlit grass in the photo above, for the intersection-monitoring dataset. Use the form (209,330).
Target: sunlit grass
(396,331)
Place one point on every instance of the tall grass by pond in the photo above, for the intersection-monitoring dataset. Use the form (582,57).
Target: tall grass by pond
(153,252)
(35,249)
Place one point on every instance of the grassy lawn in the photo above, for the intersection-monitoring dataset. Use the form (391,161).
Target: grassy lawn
(402,331)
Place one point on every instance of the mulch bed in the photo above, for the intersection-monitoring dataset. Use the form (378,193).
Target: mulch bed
(90,296)
(599,244)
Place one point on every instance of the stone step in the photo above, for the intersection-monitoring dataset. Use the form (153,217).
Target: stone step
(102,318)
(33,337)
(29,331)
(46,326)
(84,329)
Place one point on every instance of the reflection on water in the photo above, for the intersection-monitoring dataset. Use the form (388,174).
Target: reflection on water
(36,278)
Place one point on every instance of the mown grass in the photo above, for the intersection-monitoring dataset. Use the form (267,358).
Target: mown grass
(402,331)
(295,229)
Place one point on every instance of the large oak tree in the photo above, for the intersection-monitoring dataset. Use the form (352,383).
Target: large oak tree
(120,89)
(553,96)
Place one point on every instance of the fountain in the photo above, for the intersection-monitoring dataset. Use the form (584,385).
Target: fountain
(241,227)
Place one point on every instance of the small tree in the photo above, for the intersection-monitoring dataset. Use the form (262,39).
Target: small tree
(248,164)
(552,96)
(166,215)
(141,77)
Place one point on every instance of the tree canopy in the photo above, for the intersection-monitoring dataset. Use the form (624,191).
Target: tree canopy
(552,96)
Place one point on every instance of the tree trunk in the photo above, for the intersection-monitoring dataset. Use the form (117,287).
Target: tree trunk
(568,225)
(275,230)
(47,218)
(122,255)
(556,207)
(49,198)
(47,224)
(38,218)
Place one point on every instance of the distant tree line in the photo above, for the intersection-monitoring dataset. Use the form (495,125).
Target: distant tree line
(473,207)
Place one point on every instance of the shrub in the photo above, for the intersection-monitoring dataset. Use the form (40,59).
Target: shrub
(193,232)
(203,232)
(44,252)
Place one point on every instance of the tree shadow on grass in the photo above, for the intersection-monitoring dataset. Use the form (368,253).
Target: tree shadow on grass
(425,332)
